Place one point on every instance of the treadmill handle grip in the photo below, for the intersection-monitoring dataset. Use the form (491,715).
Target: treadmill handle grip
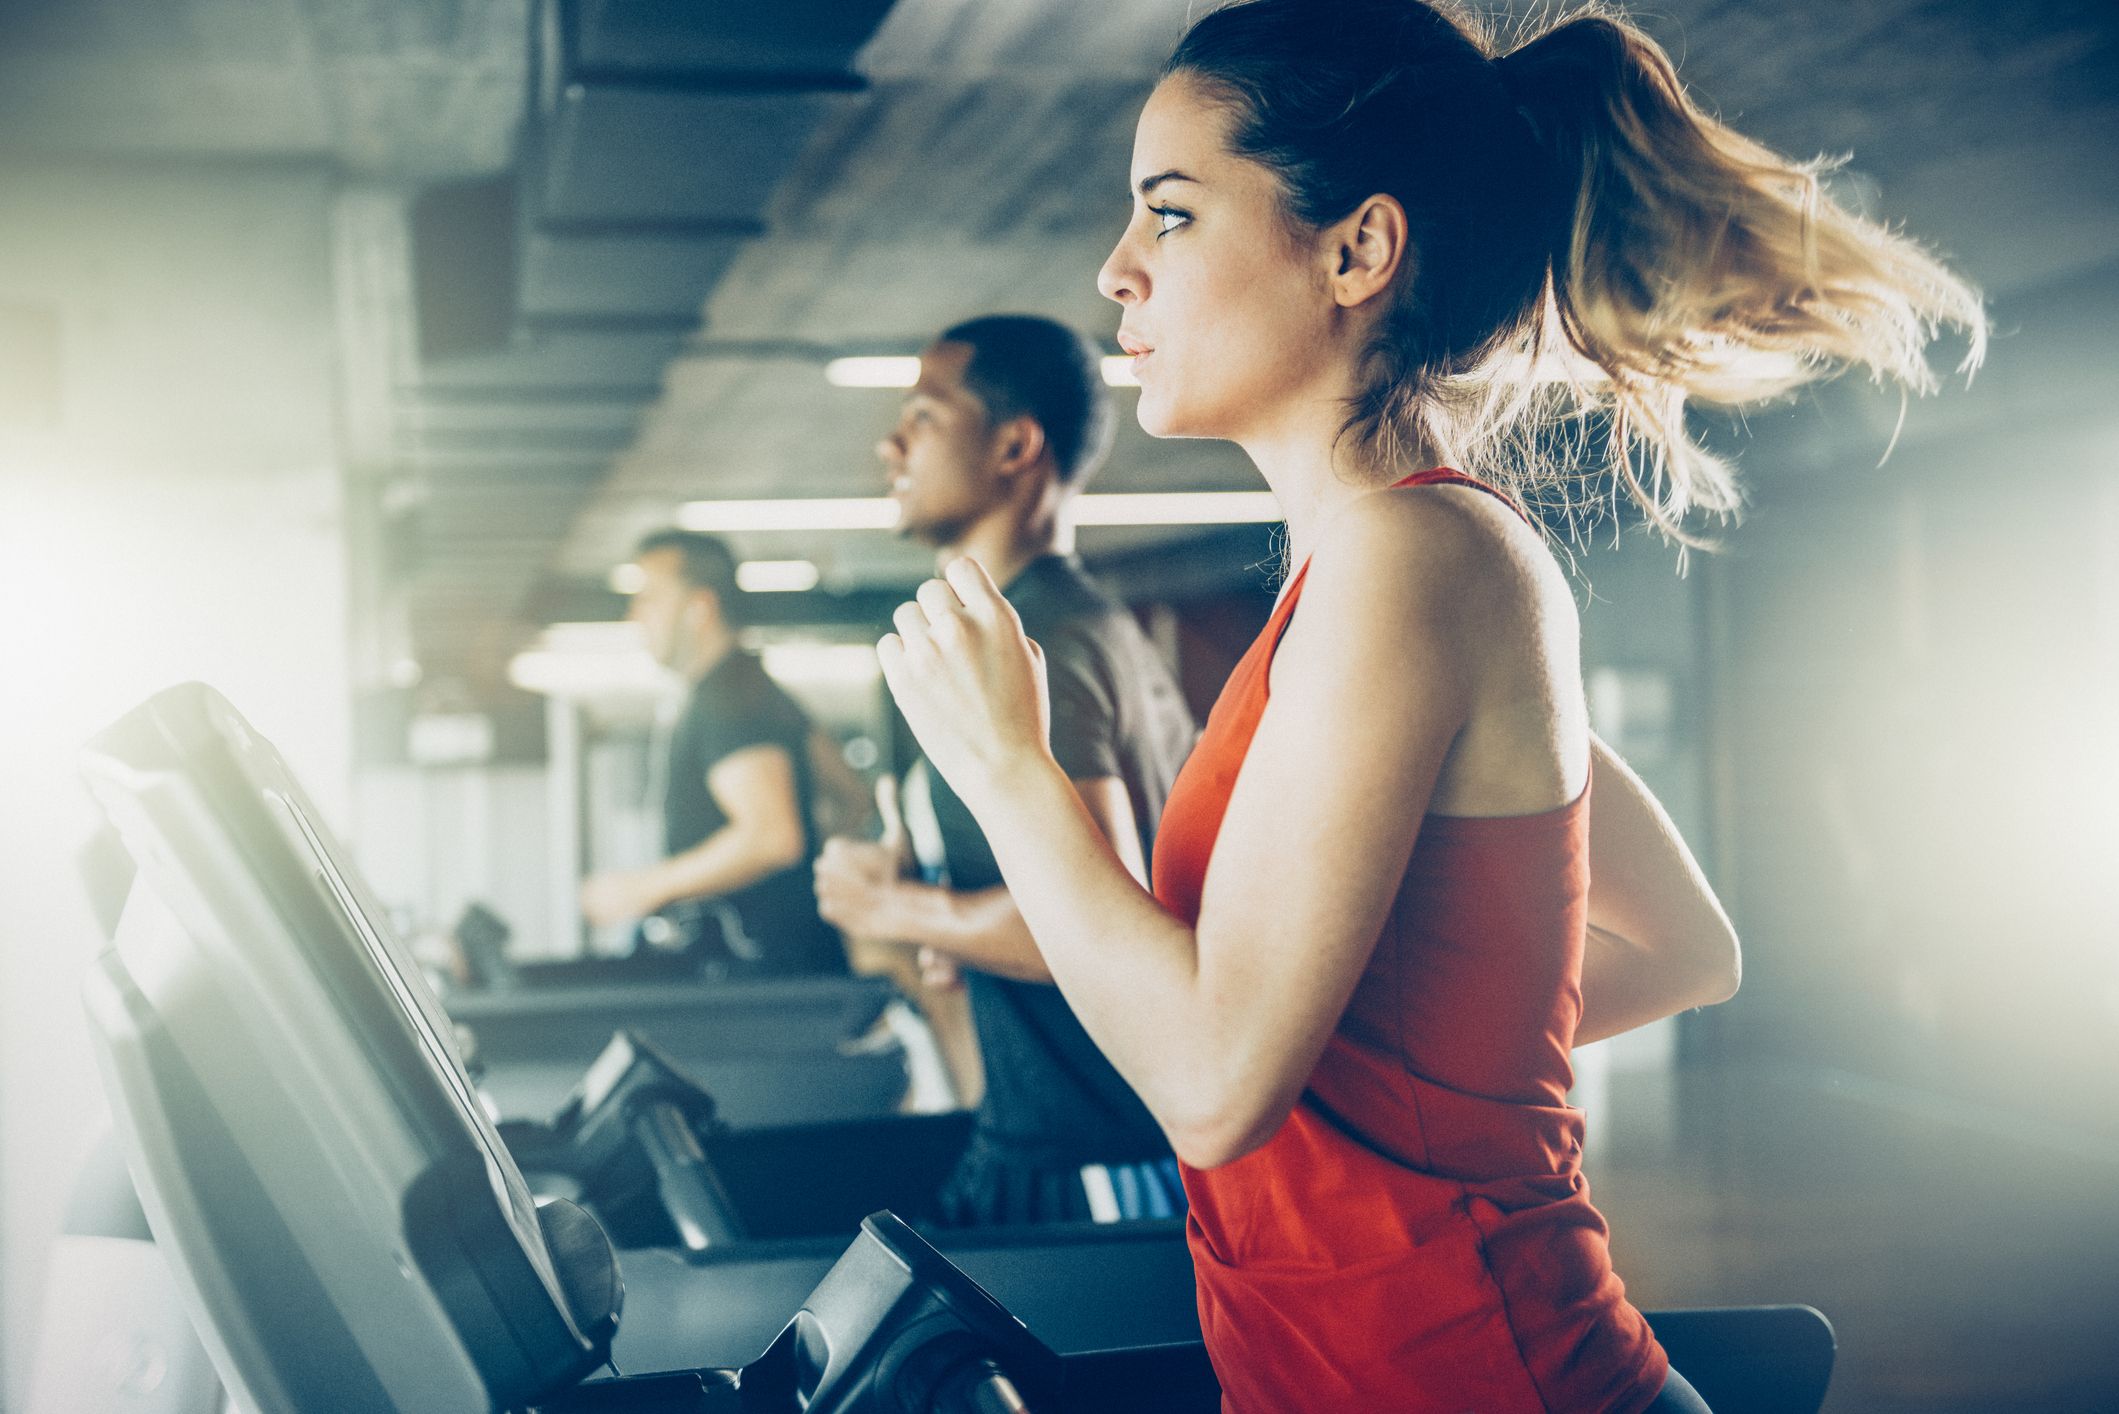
(691,1191)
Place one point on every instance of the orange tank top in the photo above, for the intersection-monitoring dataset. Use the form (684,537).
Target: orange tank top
(1418,1235)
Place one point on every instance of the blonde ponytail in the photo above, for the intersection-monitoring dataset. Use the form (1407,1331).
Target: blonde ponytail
(1698,266)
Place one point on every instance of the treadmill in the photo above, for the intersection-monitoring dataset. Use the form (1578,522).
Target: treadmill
(348,1230)
(774,1050)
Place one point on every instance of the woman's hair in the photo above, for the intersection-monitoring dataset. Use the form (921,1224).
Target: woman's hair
(1588,248)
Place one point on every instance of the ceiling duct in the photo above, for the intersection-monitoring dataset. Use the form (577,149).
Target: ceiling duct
(540,365)
(787,40)
(611,279)
(683,117)
(589,427)
(552,298)
(463,266)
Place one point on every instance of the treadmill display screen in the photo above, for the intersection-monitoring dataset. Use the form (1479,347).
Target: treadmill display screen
(384,1000)
(401,976)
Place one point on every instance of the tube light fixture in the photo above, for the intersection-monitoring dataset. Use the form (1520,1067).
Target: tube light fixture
(776,576)
(588,660)
(902,371)
(1175,508)
(890,371)
(881,513)
(806,513)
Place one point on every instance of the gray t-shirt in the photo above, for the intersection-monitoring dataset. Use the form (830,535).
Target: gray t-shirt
(1051,1097)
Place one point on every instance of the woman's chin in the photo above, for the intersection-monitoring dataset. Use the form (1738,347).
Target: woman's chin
(1158,417)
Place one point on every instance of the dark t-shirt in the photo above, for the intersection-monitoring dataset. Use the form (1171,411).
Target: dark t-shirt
(769,926)
(1051,1097)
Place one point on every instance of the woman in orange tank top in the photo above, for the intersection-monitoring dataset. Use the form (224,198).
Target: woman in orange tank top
(1366,240)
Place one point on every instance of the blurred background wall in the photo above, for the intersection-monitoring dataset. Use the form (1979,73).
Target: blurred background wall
(170,508)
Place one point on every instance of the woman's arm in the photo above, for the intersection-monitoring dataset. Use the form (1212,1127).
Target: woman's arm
(1219,1030)
(1659,942)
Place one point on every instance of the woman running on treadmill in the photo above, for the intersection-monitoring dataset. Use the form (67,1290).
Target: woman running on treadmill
(1368,244)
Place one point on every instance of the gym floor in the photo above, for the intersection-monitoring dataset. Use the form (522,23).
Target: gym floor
(1968,1260)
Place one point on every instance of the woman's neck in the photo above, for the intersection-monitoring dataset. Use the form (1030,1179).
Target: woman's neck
(1315,472)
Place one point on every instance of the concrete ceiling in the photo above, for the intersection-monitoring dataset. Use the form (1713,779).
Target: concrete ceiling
(408,90)
(981,167)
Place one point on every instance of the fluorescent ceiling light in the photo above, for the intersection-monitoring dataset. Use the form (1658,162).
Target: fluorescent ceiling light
(776,576)
(553,673)
(842,664)
(902,371)
(881,513)
(808,513)
(598,636)
(898,371)
(589,660)
(1176,508)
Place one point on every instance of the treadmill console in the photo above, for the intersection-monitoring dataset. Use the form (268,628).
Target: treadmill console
(348,1229)
(281,1071)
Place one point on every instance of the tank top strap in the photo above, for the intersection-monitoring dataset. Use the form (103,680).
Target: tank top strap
(1445,476)
(1277,623)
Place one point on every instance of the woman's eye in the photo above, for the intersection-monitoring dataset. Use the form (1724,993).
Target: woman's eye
(1167,219)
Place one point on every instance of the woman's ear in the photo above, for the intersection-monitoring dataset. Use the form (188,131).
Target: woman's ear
(1364,250)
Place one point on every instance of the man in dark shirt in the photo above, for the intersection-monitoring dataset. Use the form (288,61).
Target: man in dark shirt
(738,826)
(1008,419)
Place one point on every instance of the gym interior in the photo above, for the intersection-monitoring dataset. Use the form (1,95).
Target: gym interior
(349,350)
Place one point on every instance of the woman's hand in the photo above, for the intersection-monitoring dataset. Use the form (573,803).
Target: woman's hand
(971,686)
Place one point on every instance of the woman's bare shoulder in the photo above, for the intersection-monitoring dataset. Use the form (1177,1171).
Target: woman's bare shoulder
(1445,548)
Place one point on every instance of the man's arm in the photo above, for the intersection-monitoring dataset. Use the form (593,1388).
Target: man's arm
(859,890)
(843,804)
(755,789)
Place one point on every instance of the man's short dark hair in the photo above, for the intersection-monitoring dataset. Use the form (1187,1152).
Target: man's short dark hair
(1026,365)
(703,562)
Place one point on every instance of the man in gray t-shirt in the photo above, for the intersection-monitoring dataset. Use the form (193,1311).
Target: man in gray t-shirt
(1007,420)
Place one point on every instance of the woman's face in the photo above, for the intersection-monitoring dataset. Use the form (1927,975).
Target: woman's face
(1227,315)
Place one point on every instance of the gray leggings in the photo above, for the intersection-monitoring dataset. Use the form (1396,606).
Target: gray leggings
(1678,1397)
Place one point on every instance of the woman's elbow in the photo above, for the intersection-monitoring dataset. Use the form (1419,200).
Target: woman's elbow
(1209,1150)
(1722,970)
(1223,1137)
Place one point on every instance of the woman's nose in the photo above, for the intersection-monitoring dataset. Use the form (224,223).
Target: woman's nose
(1120,279)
